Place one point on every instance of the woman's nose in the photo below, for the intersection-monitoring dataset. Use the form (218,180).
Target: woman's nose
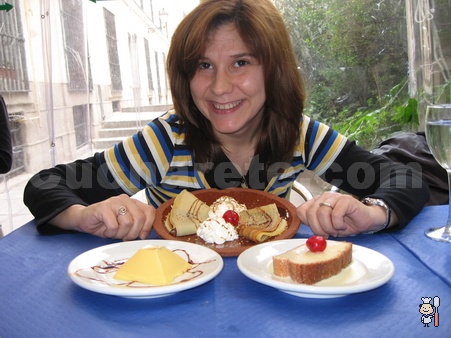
(222,83)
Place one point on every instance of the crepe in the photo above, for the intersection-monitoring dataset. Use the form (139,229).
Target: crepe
(186,214)
(260,223)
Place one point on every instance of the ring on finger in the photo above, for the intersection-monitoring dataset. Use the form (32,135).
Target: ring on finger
(122,210)
(325,204)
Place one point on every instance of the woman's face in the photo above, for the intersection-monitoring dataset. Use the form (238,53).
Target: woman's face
(228,86)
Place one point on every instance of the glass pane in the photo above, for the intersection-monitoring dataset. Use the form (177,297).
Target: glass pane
(77,78)
(82,75)
(371,66)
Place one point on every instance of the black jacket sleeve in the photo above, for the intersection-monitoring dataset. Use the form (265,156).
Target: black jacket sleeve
(51,191)
(361,173)
(6,150)
(412,149)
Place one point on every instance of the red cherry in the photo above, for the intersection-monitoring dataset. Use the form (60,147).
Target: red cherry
(316,244)
(231,217)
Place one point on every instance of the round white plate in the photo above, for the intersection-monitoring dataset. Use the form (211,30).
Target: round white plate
(207,264)
(368,270)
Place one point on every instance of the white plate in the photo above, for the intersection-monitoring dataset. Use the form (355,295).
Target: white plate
(368,270)
(81,272)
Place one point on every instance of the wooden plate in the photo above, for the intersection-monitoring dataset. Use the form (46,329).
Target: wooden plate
(251,198)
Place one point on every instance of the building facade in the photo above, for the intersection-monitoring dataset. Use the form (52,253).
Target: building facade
(67,67)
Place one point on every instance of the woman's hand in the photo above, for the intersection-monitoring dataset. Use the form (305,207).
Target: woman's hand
(119,217)
(335,214)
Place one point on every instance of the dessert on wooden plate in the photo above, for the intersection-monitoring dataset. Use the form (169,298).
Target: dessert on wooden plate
(225,220)
(221,235)
(313,261)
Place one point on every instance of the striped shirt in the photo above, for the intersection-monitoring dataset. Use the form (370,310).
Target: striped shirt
(156,159)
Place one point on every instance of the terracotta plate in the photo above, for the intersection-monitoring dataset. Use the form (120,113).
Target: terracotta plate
(251,198)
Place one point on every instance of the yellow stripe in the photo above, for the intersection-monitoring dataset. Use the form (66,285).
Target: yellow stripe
(115,169)
(183,160)
(135,160)
(203,180)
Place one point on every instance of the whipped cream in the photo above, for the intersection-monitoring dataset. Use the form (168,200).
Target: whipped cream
(215,229)
(224,203)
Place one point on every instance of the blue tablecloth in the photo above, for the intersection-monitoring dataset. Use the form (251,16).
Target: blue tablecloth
(37,298)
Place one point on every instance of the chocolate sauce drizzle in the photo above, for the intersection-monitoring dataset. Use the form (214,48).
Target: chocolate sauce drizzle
(106,268)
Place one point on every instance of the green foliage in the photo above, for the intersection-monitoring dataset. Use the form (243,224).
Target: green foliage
(379,120)
(353,55)
(407,113)
(443,92)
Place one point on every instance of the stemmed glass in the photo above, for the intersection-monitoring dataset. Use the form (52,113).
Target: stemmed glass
(438,136)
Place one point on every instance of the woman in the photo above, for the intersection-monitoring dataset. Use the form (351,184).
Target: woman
(237,121)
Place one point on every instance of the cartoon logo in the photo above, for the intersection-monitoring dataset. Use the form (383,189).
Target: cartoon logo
(429,311)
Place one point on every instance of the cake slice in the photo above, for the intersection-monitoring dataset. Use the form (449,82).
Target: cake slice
(307,267)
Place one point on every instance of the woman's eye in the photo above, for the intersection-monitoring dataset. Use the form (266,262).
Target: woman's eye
(204,65)
(241,63)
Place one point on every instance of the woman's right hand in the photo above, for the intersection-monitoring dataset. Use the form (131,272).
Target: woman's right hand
(339,215)
(105,219)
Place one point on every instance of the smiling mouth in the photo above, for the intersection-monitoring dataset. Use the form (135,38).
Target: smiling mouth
(227,105)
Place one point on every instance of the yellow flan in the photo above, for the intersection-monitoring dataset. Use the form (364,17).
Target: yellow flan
(153,265)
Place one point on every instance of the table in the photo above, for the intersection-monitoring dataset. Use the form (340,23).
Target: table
(38,299)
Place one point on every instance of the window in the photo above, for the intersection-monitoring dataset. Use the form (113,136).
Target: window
(81,126)
(72,74)
(113,56)
(148,65)
(73,25)
(91,49)
(158,76)
(370,67)
(18,166)
(13,69)
(429,42)
(134,60)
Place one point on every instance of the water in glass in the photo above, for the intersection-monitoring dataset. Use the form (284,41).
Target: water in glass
(438,136)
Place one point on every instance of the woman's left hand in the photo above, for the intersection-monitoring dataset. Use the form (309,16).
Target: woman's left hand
(339,215)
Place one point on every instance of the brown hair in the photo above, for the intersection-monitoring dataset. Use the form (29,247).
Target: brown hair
(262,29)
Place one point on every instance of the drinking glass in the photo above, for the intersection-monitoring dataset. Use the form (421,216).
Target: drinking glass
(438,136)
